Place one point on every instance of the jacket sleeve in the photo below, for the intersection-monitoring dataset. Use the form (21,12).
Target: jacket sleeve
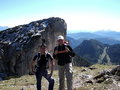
(71,52)
(54,55)
(50,57)
(35,57)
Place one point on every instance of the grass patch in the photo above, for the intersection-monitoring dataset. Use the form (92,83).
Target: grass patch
(28,82)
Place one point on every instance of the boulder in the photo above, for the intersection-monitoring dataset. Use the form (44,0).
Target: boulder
(106,74)
(19,44)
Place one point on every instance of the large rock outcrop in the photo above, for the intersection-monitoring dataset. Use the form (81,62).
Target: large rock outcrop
(19,44)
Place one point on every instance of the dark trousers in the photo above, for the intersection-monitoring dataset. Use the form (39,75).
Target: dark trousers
(44,73)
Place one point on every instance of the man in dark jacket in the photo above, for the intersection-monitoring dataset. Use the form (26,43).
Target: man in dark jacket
(63,54)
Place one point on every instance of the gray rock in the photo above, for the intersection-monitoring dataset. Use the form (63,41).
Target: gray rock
(106,74)
(19,44)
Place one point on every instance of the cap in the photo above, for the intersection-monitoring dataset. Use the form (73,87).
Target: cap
(60,37)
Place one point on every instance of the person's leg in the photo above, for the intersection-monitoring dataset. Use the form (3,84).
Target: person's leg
(69,77)
(61,71)
(38,78)
(50,80)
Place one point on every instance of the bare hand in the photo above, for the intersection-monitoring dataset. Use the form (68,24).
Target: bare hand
(33,70)
(49,75)
(56,52)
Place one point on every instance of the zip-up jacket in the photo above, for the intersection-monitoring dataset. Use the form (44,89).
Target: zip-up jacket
(63,57)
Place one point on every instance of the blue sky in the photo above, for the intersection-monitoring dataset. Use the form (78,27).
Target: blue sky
(82,15)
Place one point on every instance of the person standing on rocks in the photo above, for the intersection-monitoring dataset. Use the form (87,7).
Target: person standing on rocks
(40,69)
(63,54)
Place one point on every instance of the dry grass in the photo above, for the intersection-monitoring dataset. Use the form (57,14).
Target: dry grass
(28,82)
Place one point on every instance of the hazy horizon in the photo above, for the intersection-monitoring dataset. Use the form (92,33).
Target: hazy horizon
(77,31)
(69,31)
(85,15)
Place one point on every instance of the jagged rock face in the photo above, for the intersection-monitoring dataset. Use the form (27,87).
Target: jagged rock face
(18,45)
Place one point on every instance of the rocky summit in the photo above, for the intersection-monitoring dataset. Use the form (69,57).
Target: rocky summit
(19,44)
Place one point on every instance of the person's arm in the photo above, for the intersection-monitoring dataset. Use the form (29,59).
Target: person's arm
(33,63)
(51,65)
(70,51)
(58,52)
(55,52)
(33,66)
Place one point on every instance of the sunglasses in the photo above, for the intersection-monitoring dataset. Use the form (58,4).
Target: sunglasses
(43,47)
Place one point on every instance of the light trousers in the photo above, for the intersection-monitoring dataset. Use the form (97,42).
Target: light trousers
(65,70)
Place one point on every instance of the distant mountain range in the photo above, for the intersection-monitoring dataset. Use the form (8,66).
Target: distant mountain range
(106,37)
(3,27)
(83,35)
(109,34)
(96,52)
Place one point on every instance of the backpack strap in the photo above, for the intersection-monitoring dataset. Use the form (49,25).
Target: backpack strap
(47,56)
(39,56)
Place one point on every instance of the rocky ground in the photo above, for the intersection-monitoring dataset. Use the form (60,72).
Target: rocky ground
(96,77)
